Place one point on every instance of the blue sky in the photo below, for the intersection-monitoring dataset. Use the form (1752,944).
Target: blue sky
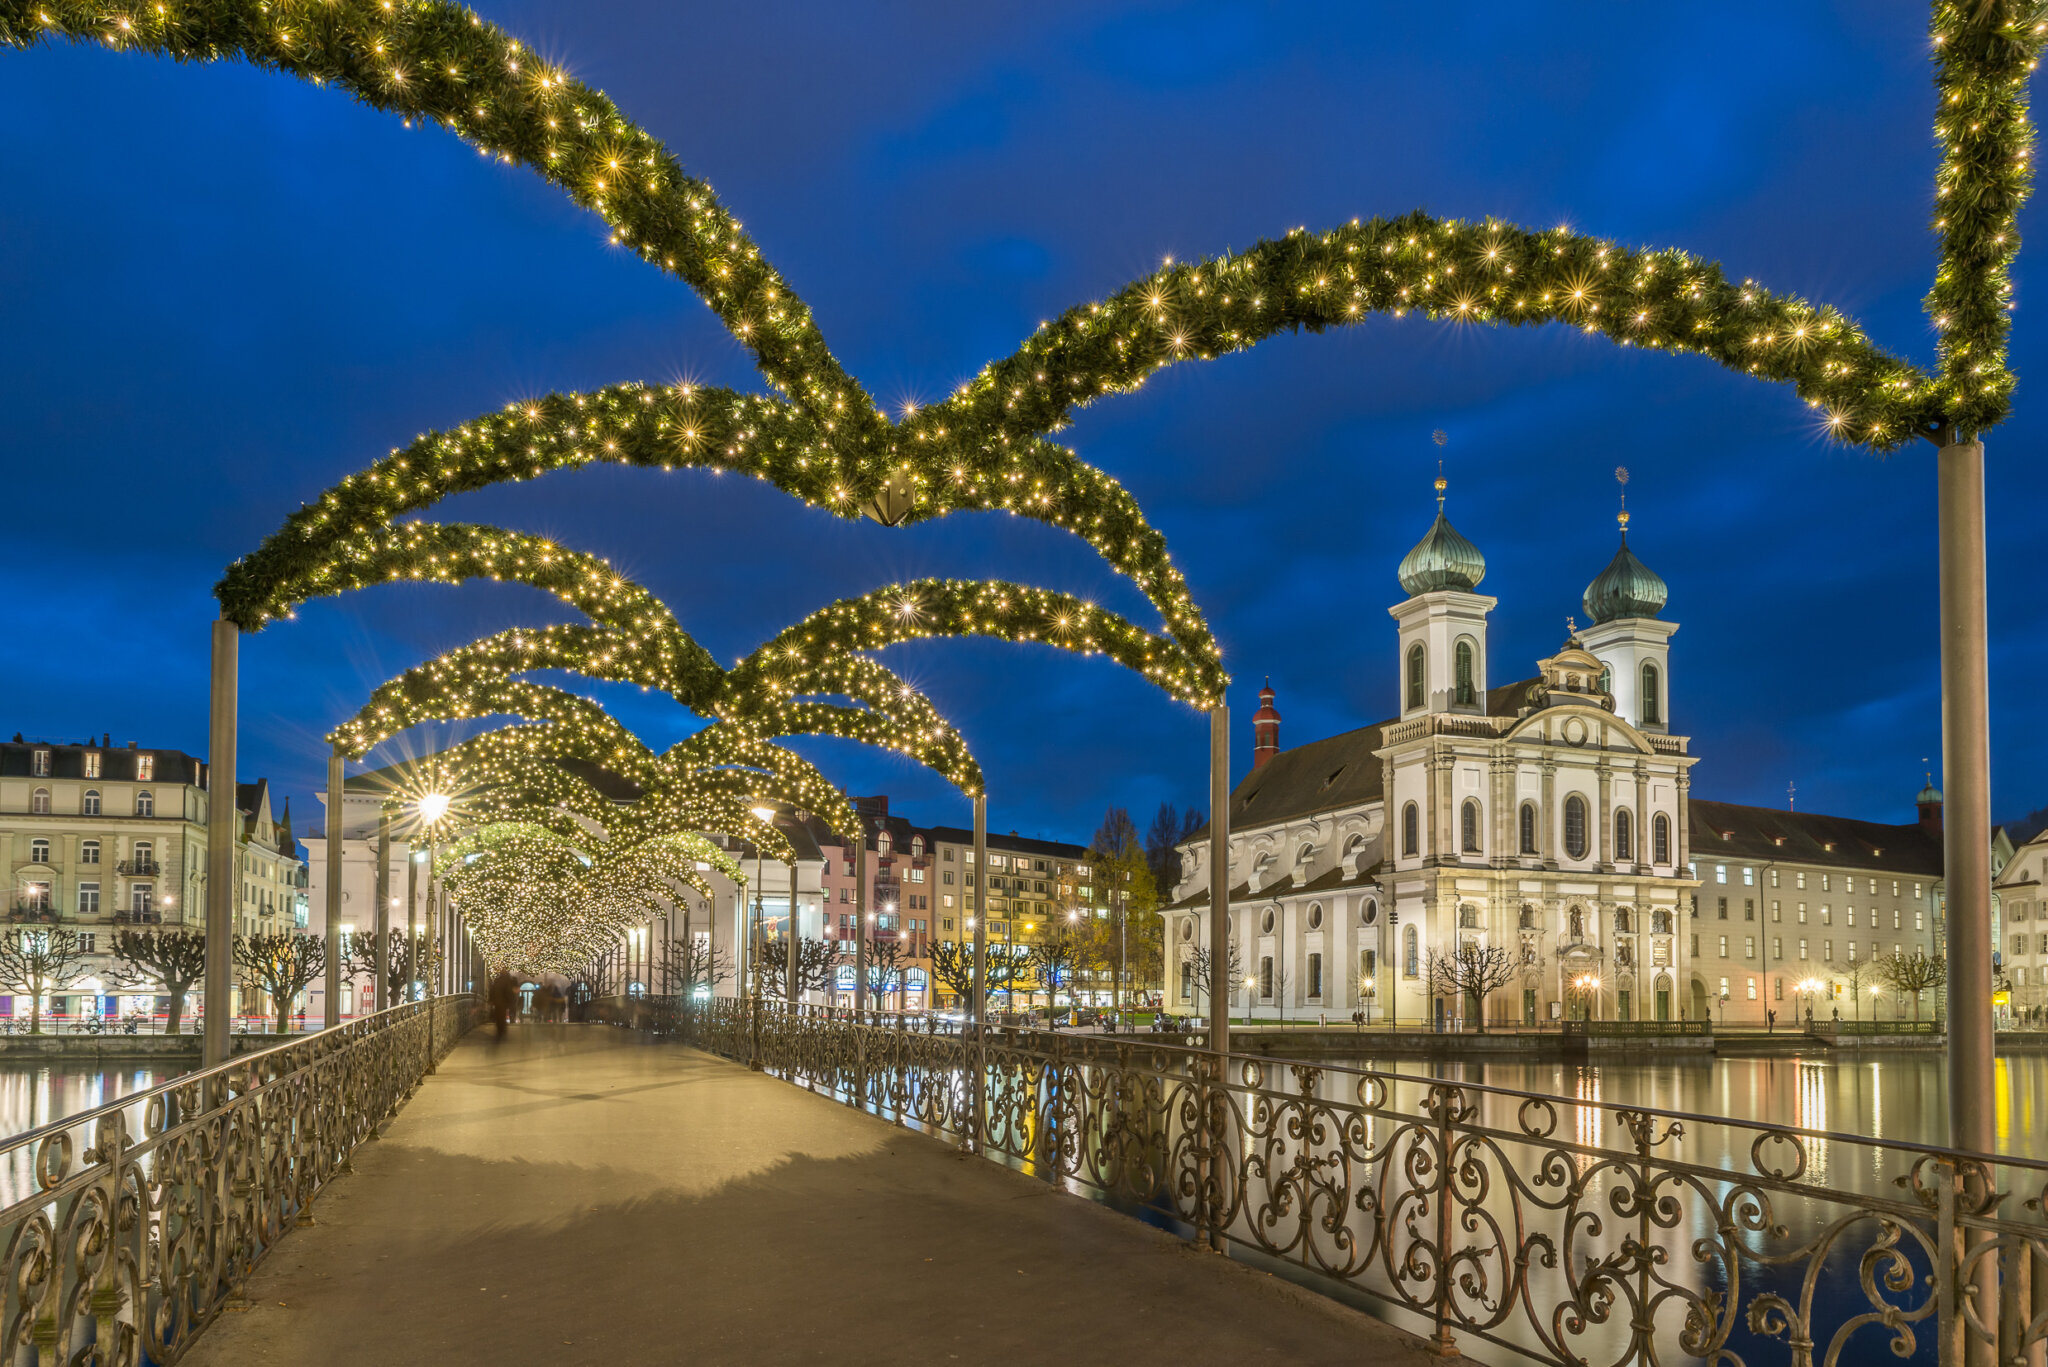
(225,290)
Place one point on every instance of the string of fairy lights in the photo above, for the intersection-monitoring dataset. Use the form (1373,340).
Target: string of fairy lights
(821,437)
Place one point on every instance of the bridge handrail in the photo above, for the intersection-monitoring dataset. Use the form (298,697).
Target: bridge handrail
(126,1228)
(1557,1228)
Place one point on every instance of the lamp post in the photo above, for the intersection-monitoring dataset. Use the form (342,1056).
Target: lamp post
(764,815)
(1394,993)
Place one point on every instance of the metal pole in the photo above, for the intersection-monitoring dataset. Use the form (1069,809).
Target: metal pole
(978,1009)
(789,968)
(381,957)
(1219,878)
(860,920)
(1966,790)
(221,823)
(413,928)
(330,1015)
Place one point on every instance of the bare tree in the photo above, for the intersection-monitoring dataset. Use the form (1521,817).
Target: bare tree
(38,961)
(1233,966)
(1854,976)
(171,959)
(282,965)
(1912,974)
(1056,958)
(1170,829)
(817,963)
(1473,971)
(692,962)
(412,959)
(885,969)
(953,965)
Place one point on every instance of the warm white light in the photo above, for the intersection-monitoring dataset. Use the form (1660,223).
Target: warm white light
(762,814)
(433,807)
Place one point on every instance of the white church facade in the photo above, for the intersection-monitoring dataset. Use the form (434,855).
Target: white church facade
(1549,817)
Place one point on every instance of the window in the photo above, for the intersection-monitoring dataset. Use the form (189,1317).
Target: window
(1799,879)
(1749,946)
(1723,912)
(1653,703)
(1802,949)
(1777,910)
(39,802)
(1720,873)
(917,875)
(1624,842)
(1416,693)
(145,804)
(1749,908)
(1410,953)
(88,899)
(1529,828)
(1778,988)
(1852,951)
(1467,689)
(1468,827)
(1315,975)
(1802,913)
(88,851)
(145,768)
(1266,921)
(1660,922)
(1824,883)
(92,802)
(1411,829)
(1827,916)
(1695,946)
(1575,826)
(39,851)
(92,764)
(1724,946)
(1527,920)
(1827,950)
(1315,916)
(140,898)
(1777,946)
(1370,913)
(1752,989)
(1266,977)
(1623,921)
(145,857)
(1774,878)
(917,847)
(1468,916)
(1660,839)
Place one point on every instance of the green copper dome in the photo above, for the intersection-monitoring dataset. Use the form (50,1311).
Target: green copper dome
(1626,588)
(1441,560)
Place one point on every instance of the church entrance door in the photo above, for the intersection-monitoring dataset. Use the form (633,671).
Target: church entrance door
(1663,1003)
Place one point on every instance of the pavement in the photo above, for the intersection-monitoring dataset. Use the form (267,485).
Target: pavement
(578,1196)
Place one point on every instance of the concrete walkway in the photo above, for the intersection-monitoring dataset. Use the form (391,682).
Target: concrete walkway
(578,1197)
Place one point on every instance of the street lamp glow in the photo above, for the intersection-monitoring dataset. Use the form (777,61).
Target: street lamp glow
(433,807)
(762,814)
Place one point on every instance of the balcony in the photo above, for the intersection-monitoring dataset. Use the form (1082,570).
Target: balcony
(139,868)
(32,911)
(139,917)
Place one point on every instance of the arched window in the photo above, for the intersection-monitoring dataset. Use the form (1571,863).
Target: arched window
(1468,916)
(1468,826)
(1411,954)
(917,847)
(1660,839)
(1660,922)
(92,802)
(39,851)
(1411,829)
(1416,692)
(881,842)
(1529,829)
(1653,695)
(1623,921)
(1467,672)
(39,802)
(145,804)
(1624,836)
(1606,680)
(1528,918)
(1575,826)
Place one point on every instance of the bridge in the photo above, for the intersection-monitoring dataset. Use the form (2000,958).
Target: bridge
(744,1182)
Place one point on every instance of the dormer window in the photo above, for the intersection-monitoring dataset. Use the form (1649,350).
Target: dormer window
(917,847)
(92,764)
(39,762)
(145,768)
(882,843)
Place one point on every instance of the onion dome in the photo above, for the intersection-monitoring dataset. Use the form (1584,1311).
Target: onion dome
(1930,795)
(1627,587)
(1442,559)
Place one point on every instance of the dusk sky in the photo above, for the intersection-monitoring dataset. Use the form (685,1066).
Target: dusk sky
(226,290)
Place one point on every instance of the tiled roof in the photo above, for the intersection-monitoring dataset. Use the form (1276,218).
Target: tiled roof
(1728,830)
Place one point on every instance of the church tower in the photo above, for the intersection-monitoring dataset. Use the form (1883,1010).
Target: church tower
(1265,728)
(1622,606)
(1443,624)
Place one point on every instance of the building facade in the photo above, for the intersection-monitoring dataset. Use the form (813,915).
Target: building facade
(103,838)
(1549,818)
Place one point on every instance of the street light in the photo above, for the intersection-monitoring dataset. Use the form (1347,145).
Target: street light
(432,808)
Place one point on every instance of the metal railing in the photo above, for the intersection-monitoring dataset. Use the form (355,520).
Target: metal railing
(1556,1228)
(1858,1027)
(1605,1029)
(126,1228)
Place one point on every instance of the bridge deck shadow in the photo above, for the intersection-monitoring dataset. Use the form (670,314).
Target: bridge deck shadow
(575,1196)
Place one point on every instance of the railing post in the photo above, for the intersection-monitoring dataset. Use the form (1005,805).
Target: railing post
(1949,1324)
(1214,1116)
(976,1138)
(1441,1343)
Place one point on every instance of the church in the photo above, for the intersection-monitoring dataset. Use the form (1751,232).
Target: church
(1548,818)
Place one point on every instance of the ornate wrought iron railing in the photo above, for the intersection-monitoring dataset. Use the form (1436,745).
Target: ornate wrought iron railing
(126,1228)
(1563,1229)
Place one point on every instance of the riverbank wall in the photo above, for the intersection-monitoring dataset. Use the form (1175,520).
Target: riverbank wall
(92,1049)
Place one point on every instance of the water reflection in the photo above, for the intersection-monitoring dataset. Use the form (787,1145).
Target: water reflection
(33,1095)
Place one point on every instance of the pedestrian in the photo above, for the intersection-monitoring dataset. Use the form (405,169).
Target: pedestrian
(504,1000)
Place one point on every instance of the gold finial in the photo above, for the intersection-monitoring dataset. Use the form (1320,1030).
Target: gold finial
(1621,478)
(1442,484)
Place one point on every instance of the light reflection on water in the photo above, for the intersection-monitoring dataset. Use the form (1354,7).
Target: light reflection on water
(34,1094)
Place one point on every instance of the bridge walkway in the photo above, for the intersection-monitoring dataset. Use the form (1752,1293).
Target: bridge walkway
(580,1196)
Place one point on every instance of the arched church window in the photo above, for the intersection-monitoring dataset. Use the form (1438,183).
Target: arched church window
(1411,954)
(1575,826)
(1528,918)
(1660,839)
(1607,681)
(1411,829)
(1529,829)
(1653,695)
(1624,835)
(1467,672)
(1468,826)
(1416,691)
(1624,922)
(1660,922)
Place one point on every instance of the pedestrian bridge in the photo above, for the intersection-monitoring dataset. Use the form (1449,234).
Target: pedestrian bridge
(633,1190)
